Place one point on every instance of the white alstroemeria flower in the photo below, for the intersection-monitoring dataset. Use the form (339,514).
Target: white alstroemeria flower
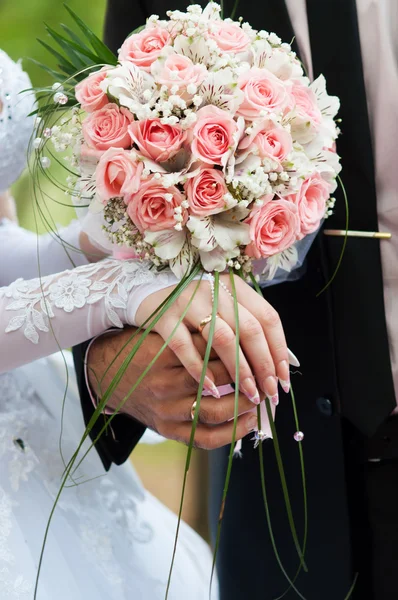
(174,246)
(327,163)
(197,49)
(217,259)
(220,89)
(285,260)
(132,87)
(328,105)
(299,163)
(282,64)
(225,230)
(229,158)
(212,12)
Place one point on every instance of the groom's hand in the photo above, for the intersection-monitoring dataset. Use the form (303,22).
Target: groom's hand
(163,400)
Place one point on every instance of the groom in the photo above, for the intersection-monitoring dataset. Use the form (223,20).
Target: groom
(346,339)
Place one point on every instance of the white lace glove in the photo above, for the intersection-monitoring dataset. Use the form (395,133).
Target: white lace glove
(37,317)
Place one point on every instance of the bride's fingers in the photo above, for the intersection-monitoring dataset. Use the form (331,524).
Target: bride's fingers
(183,347)
(255,347)
(272,326)
(209,437)
(224,343)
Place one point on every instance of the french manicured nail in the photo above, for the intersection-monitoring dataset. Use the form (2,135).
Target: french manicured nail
(284,375)
(271,389)
(250,390)
(274,399)
(252,423)
(211,387)
(293,360)
(285,385)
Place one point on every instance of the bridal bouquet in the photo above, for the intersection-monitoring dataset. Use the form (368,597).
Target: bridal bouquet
(201,147)
(204,143)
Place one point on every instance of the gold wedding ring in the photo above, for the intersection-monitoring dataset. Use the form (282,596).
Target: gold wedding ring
(205,321)
(193,408)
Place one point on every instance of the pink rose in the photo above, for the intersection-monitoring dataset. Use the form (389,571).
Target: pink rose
(262,92)
(107,128)
(311,203)
(269,141)
(206,192)
(118,173)
(143,48)
(307,108)
(89,93)
(156,140)
(213,135)
(273,228)
(229,37)
(178,70)
(152,207)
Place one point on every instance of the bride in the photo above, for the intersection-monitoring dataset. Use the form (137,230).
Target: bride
(109,538)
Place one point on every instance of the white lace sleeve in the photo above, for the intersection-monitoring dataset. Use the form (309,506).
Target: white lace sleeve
(39,316)
(25,254)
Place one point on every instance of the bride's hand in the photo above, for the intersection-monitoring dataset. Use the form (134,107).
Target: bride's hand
(263,352)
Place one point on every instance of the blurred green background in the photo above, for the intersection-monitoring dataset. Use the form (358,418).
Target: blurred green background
(21,23)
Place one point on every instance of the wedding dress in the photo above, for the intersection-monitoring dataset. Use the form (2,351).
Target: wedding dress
(109,538)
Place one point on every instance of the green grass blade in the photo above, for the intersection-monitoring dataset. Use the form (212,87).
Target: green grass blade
(57,75)
(79,49)
(280,465)
(304,486)
(268,515)
(73,36)
(347,224)
(74,57)
(194,425)
(351,590)
(64,64)
(99,410)
(236,410)
(98,46)
(284,486)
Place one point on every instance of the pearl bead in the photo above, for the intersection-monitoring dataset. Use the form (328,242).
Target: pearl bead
(299,436)
(37,143)
(45,162)
(60,98)
(47,132)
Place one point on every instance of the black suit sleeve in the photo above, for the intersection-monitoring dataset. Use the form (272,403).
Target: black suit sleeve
(120,438)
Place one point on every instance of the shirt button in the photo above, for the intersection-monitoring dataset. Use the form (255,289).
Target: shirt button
(325,407)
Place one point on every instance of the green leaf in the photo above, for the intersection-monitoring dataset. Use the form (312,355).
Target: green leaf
(98,46)
(57,75)
(65,65)
(79,49)
(73,56)
(73,36)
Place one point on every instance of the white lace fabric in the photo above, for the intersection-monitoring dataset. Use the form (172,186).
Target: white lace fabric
(109,539)
(62,310)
